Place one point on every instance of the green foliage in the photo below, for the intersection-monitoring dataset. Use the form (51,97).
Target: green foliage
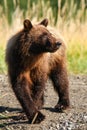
(2,4)
(23,6)
(54,6)
(77,58)
(2,61)
(9,10)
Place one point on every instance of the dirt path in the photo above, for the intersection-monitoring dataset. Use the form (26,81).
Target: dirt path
(73,119)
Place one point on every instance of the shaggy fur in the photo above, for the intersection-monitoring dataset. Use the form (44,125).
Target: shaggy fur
(32,55)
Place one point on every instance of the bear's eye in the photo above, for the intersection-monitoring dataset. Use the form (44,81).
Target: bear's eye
(43,35)
(48,43)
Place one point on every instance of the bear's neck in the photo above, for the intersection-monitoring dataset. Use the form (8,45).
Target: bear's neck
(36,60)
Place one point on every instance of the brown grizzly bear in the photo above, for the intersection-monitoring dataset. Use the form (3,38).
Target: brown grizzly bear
(32,55)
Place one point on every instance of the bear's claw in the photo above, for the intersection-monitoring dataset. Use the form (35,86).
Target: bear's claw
(60,108)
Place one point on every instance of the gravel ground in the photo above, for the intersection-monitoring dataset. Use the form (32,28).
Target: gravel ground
(74,118)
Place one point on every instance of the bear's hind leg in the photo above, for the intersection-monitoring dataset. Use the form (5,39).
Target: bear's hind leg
(61,85)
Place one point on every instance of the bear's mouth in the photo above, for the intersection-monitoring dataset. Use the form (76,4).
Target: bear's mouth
(51,50)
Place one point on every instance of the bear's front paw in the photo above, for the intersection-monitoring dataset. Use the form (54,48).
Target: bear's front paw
(38,117)
(60,107)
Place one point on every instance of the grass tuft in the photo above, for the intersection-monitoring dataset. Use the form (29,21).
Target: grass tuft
(3,68)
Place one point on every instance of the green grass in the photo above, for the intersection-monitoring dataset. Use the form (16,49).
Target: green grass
(76,54)
(2,60)
(77,57)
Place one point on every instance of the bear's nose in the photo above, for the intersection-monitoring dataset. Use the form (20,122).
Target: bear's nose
(58,44)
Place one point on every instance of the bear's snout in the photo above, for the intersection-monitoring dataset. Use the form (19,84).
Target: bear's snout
(52,47)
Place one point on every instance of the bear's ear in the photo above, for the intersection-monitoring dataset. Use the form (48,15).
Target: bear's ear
(44,22)
(27,24)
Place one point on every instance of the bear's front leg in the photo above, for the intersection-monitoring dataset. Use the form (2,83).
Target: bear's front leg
(23,93)
(61,85)
(38,90)
(38,99)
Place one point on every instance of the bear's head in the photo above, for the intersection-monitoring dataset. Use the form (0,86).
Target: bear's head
(40,38)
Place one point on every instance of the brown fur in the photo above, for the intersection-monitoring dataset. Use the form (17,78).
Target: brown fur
(32,55)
